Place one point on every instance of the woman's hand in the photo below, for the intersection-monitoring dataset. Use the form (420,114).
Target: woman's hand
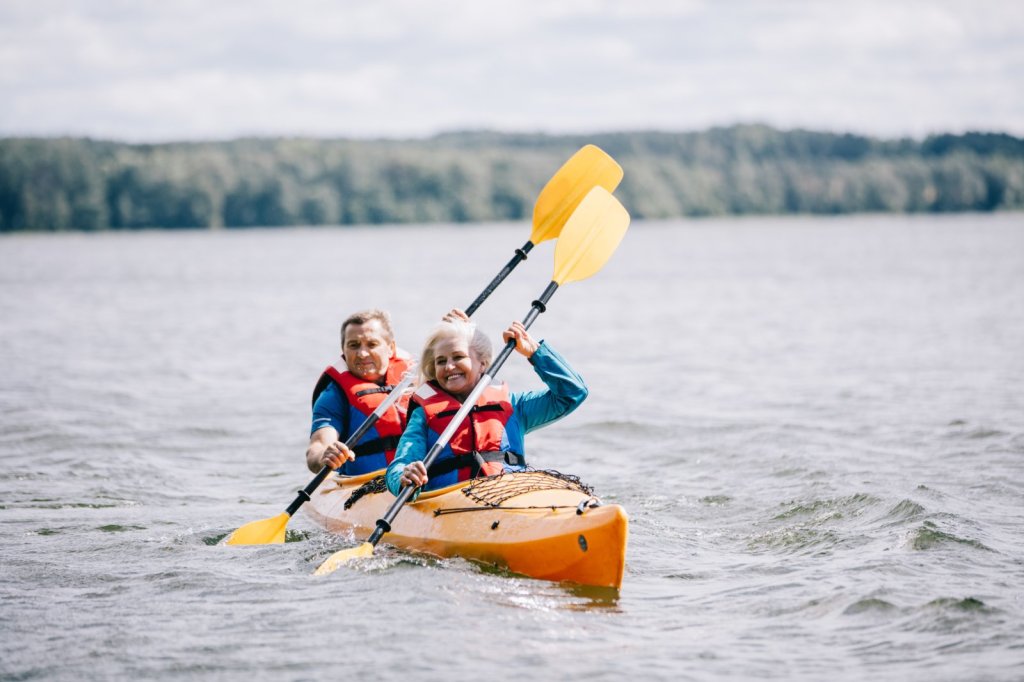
(414,475)
(336,454)
(455,315)
(525,344)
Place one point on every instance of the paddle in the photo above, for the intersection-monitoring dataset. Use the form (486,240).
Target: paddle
(271,531)
(588,168)
(587,242)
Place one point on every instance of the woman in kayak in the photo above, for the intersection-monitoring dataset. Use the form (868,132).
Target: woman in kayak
(492,438)
(348,392)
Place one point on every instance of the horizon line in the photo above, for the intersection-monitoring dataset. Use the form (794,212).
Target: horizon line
(426,137)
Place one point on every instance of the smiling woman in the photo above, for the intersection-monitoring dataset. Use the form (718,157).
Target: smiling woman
(491,440)
(455,356)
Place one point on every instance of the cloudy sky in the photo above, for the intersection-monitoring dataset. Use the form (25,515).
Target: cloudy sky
(146,70)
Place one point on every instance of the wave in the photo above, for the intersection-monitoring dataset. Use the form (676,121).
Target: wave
(929,537)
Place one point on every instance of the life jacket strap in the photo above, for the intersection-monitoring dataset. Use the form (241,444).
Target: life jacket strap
(475,461)
(378,389)
(376,446)
(477,408)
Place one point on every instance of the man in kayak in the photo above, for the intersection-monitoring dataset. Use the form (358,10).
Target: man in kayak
(492,438)
(348,392)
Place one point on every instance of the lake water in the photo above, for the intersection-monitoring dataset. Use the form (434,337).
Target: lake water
(816,426)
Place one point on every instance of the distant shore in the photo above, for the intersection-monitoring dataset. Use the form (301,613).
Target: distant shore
(61,184)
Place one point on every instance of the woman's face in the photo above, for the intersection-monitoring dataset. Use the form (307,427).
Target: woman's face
(457,367)
(367,350)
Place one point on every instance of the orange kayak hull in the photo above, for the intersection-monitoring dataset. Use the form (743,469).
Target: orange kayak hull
(556,534)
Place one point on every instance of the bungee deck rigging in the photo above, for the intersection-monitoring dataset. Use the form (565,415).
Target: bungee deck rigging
(494,491)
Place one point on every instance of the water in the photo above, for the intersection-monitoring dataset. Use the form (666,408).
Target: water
(816,426)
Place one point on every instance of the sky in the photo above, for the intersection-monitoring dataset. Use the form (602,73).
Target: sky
(142,70)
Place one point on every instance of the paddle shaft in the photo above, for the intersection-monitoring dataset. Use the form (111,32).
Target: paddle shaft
(509,267)
(384,523)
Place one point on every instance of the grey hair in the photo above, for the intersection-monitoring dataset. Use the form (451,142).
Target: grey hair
(364,316)
(476,341)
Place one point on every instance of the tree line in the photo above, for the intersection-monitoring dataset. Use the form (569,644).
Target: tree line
(51,184)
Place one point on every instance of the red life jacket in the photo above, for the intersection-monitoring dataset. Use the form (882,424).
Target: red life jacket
(480,446)
(376,449)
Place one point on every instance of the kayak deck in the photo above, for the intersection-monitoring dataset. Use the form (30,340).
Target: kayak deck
(536,523)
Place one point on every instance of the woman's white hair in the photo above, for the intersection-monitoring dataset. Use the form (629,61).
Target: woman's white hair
(476,341)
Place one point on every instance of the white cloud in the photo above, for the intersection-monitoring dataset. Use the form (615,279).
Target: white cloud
(191,69)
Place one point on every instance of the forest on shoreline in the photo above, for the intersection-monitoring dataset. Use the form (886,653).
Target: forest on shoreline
(58,184)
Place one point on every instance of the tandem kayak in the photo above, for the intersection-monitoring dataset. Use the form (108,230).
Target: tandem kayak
(540,524)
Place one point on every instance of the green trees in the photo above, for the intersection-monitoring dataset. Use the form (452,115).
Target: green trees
(83,184)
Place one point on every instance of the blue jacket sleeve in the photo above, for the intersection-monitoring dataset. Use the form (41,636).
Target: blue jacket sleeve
(564,393)
(329,410)
(411,448)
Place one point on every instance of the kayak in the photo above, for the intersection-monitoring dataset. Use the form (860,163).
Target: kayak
(540,524)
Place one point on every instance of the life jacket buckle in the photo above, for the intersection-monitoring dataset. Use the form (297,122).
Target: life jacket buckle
(479,459)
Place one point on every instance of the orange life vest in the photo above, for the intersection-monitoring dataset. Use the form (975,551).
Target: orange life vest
(376,449)
(482,444)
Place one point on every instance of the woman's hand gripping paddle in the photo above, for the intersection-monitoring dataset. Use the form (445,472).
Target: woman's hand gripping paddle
(588,168)
(589,239)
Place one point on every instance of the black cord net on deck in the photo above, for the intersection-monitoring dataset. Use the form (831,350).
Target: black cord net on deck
(494,490)
(372,487)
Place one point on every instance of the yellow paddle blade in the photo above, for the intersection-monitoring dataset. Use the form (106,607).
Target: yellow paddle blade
(588,168)
(265,532)
(590,237)
(342,557)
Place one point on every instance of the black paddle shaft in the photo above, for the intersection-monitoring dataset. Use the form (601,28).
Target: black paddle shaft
(516,260)
(384,523)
